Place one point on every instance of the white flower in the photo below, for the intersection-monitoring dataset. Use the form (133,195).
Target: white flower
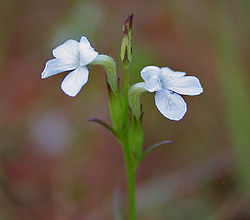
(71,55)
(168,84)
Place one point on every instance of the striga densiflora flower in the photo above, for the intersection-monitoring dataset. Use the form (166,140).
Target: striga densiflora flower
(71,55)
(168,84)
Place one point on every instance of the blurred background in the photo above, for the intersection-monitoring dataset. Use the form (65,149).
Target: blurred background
(56,165)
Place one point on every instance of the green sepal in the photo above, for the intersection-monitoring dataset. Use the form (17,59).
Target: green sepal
(135,140)
(117,111)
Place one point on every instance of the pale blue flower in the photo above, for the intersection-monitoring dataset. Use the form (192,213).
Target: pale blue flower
(168,84)
(71,55)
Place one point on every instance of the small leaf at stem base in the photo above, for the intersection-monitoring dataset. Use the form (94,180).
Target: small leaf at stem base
(104,124)
(153,147)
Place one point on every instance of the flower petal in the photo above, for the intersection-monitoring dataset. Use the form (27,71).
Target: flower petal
(170,104)
(68,50)
(187,85)
(75,80)
(87,53)
(167,74)
(55,66)
(151,75)
(84,40)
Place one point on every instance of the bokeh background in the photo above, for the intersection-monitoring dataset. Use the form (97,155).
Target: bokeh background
(56,165)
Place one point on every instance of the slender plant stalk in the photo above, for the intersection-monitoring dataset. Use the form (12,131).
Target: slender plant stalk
(130,170)
(131,191)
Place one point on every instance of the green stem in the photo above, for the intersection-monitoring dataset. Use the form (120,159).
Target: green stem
(131,192)
(130,170)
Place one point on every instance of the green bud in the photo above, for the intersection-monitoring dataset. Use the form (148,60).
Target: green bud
(126,45)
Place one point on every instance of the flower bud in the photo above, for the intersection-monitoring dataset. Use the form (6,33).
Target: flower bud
(126,46)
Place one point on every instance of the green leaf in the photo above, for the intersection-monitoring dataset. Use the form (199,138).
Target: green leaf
(103,123)
(154,147)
